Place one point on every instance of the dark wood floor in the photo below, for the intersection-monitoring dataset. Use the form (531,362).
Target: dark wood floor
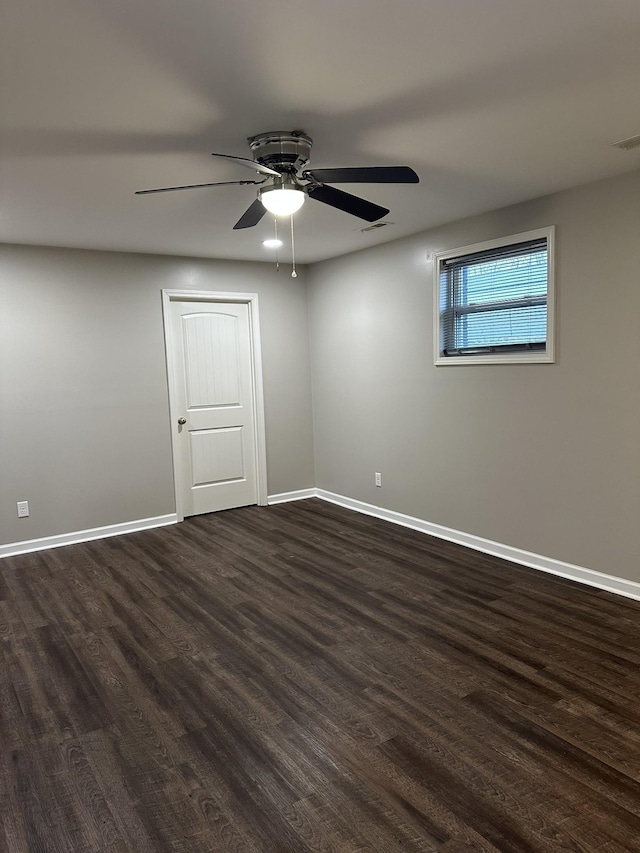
(302,678)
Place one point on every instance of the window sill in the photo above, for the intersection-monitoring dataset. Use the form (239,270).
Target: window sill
(507,358)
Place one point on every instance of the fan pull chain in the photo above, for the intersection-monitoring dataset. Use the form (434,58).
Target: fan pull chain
(294,274)
(275,229)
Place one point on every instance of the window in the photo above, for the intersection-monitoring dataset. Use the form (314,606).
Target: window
(494,301)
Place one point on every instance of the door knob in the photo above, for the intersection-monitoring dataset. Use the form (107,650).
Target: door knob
(182,421)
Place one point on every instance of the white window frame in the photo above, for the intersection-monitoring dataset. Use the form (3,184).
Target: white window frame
(546,356)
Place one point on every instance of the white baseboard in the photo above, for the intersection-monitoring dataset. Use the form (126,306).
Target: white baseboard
(610,583)
(29,545)
(299,495)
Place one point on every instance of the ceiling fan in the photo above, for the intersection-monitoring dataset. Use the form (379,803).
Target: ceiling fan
(280,156)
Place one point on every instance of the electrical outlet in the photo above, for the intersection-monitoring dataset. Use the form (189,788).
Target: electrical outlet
(378,479)
(23,509)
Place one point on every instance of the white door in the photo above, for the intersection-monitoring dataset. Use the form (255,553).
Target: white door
(215,454)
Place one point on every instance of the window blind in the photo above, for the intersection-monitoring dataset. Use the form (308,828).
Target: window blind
(495,300)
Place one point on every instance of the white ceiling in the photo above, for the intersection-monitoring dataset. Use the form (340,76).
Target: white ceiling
(491,101)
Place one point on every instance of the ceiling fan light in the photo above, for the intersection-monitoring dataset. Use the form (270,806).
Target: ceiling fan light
(282,202)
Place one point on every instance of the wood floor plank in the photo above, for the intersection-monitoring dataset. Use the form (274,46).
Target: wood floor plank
(303,678)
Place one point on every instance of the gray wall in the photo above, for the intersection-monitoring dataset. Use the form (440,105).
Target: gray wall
(84,426)
(539,457)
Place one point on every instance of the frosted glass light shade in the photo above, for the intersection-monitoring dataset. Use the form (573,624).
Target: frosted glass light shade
(282,202)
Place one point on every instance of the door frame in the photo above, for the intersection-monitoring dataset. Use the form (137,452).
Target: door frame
(213,297)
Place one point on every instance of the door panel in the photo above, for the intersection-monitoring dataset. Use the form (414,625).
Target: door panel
(216,456)
(216,464)
(211,359)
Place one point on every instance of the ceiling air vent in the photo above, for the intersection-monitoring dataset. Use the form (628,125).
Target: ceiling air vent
(628,144)
(374,226)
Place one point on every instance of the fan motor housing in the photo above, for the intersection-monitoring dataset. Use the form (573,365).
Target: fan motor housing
(284,151)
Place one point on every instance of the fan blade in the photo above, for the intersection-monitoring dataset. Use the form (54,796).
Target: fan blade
(252,215)
(196,187)
(249,164)
(349,203)
(365,175)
